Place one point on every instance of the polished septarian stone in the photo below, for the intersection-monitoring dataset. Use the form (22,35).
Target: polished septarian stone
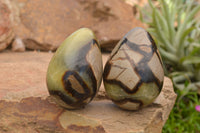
(133,75)
(75,71)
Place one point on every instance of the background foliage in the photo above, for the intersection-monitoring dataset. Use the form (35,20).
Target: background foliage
(175,26)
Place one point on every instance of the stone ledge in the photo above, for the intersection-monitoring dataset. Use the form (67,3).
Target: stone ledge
(26,106)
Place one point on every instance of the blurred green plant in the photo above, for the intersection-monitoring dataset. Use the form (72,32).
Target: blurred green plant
(175,27)
(184,118)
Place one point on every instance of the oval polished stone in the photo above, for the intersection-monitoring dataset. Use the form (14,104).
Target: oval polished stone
(75,71)
(133,75)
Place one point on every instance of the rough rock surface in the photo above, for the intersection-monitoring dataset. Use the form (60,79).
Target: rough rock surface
(25,104)
(18,45)
(136,2)
(45,24)
(7,18)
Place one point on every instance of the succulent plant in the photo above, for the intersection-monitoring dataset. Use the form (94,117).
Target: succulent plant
(175,27)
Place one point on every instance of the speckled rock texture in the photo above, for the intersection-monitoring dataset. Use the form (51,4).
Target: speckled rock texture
(25,105)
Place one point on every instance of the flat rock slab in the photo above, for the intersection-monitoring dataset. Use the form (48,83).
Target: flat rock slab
(25,104)
(23,75)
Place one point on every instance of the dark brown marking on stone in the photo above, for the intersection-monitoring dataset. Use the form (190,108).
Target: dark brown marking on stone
(152,41)
(160,86)
(124,87)
(82,65)
(123,69)
(66,99)
(134,66)
(79,97)
(154,48)
(136,47)
(90,71)
(68,86)
(114,81)
(142,68)
(144,72)
(94,42)
(94,81)
(160,59)
(122,43)
(107,68)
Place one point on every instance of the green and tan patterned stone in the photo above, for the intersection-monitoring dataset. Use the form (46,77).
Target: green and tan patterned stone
(133,75)
(75,71)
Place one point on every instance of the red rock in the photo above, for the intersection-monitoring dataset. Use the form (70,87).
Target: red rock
(35,114)
(6,31)
(45,24)
(137,2)
(25,105)
(25,75)
(18,45)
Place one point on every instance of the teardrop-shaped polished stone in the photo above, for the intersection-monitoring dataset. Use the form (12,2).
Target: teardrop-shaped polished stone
(133,75)
(75,71)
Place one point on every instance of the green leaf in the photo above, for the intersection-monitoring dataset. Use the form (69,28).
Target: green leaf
(183,38)
(191,60)
(151,4)
(163,23)
(179,44)
(196,50)
(141,14)
(161,34)
(179,18)
(189,6)
(168,56)
(170,21)
(182,27)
